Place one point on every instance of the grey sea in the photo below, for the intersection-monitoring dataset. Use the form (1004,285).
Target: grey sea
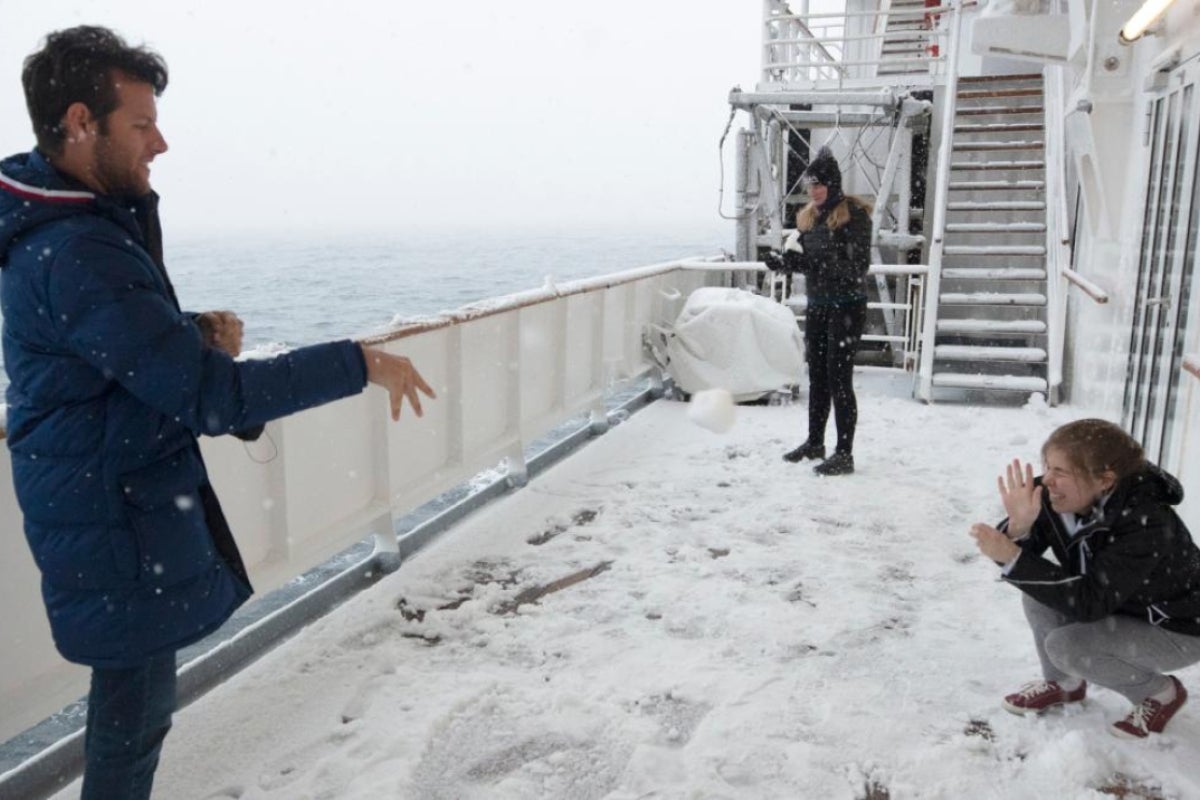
(303,289)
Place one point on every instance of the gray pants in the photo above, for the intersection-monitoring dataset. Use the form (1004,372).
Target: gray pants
(1125,654)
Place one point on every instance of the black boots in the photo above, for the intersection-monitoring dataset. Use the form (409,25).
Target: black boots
(806,450)
(837,464)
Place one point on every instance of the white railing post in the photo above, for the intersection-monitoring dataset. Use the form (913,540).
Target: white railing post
(744,202)
(941,198)
(1058,258)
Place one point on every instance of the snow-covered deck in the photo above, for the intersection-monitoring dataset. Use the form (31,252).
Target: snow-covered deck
(717,624)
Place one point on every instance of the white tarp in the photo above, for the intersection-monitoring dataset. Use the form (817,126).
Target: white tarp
(734,340)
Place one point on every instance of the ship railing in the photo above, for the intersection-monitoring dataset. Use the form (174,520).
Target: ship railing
(817,49)
(902,334)
(506,370)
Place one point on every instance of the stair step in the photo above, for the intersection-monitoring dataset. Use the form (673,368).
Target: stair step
(965,147)
(1022,77)
(1013,383)
(998,205)
(991,326)
(969,111)
(992,299)
(996,274)
(979,186)
(996,227)
(968,352)
(999,127)
(997,165)
(980,94)
(996,250)
(882,337)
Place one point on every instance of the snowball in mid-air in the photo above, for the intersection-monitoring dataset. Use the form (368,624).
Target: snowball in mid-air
(712,409)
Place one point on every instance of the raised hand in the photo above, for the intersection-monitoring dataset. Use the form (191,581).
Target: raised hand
(993,543)
(1022,500)
(399,377)
(221,330)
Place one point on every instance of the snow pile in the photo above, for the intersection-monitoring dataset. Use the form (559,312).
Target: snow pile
(670,615)
(734,340)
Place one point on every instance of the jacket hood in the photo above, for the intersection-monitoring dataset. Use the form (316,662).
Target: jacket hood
(1152,483)
(33,193)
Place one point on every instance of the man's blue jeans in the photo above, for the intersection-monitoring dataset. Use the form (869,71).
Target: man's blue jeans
(128,716)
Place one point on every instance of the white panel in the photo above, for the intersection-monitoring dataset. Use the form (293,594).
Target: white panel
(488,383)
(240,475)
(542,360)
(584,377)
(331,448)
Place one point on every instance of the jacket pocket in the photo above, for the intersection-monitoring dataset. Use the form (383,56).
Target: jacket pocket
(162,502)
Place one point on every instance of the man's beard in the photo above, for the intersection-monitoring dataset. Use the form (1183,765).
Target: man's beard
(112,173)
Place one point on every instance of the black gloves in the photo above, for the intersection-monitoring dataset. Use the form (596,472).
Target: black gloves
(774,261)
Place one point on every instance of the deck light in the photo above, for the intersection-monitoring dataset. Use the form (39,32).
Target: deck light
(1136,26)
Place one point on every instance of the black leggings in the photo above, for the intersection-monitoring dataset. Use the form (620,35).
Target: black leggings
(831,335)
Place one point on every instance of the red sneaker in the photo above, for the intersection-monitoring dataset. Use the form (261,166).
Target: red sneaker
(1037,696)
(1151,716)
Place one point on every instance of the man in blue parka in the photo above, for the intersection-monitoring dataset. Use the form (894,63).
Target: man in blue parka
(111,383)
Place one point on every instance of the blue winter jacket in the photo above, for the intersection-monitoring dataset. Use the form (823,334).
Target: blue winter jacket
(110,386)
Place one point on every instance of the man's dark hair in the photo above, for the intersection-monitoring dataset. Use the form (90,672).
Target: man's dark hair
(76,65)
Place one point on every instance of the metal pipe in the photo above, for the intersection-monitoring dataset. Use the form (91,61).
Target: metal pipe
(746,101)
(743,232)
(1090,289)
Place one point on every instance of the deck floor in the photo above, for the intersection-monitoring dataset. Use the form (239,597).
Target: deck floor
(671,613)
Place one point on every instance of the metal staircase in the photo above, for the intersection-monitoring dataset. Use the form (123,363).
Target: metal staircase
(991,314)
(906,43)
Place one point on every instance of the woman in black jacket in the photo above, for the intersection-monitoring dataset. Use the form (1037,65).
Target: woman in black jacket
(1120,603)
(835,241)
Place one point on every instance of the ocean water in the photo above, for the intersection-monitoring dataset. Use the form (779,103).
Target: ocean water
(304,289)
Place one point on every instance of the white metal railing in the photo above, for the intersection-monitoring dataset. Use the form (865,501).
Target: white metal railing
(911,308)
(941,198)
(1058,241)
(810,49)
(506,371)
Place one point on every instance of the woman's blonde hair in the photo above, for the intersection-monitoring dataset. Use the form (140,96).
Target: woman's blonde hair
(806,218)
(1096,446)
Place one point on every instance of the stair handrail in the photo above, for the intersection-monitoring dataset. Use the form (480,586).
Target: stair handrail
(941,198)
(1058,249)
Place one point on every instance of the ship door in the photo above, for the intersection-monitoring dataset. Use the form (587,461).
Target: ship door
(1169,230)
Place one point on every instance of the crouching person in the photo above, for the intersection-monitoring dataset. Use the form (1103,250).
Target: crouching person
(1122,604)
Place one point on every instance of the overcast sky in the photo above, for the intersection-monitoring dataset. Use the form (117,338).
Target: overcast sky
(358,115)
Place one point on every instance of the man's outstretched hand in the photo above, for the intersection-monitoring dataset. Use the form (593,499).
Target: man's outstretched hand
(399,377)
